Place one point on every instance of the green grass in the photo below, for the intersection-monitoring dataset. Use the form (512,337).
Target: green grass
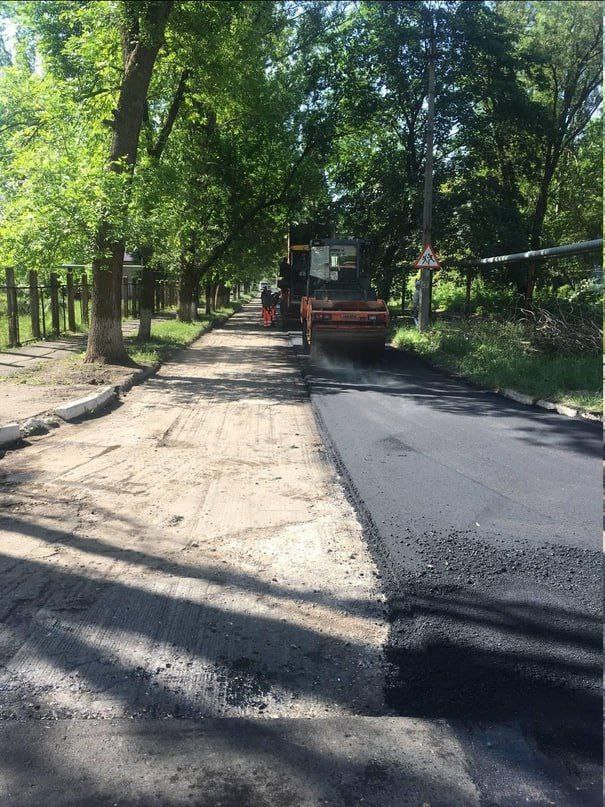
(499,354)
(25,325)
(170,335)
(167,336)
(26,335)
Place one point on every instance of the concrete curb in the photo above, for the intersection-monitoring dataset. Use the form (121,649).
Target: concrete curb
(138,377)
(561,409)
(92,403)
(9,433)
(520,397)
(75,409)
(546,404)
(552,406)
(568,411)
(511,394)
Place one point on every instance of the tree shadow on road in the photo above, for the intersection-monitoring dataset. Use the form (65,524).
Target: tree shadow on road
(461,666)
(60,620)
(409,378)
(232,373)
(471,656)
(59,624)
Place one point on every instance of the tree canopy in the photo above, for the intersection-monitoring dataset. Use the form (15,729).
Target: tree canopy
(192,132)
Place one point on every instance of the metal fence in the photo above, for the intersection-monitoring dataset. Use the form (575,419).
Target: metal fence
(46,310)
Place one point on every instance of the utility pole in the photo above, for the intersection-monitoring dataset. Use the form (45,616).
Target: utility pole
(424,307)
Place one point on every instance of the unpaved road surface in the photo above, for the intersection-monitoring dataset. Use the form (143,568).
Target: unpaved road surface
(191,613)
(188,611)
(485,520)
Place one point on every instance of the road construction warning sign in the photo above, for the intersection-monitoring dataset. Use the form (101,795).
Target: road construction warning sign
(427,259)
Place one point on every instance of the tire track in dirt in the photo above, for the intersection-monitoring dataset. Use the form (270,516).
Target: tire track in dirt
(207,561)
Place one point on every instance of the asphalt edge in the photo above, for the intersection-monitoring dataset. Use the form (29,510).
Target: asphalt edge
(368,526)
(508,392)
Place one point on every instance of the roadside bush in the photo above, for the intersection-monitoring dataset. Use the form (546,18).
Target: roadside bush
(449,295)
(504,354)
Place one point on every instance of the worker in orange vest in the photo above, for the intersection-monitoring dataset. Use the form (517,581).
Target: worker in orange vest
(274,301)
(266,299)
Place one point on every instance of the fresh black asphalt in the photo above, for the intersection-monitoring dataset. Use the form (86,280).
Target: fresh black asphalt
(484,518)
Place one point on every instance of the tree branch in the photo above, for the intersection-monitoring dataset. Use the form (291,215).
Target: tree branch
(157,149)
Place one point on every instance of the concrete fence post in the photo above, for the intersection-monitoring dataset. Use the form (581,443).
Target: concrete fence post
(125,297)
(54,304)
(85,298)
(34,303)
(12,309)
(71,311)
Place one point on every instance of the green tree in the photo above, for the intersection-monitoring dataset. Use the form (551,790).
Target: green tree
(142,27)
(565,80)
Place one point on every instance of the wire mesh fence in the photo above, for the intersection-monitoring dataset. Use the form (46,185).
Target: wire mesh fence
(35,310)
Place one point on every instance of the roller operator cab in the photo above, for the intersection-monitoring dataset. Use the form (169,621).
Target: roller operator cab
(295,271)
(340,312)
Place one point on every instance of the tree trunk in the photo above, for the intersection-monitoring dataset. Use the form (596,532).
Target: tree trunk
(105,342)
(146,294)
(208,302)
(552,158)
(187,291)
(536,235)
(146,302)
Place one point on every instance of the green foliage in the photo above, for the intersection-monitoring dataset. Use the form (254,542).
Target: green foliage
(518,124)
(261,113)
(500,354)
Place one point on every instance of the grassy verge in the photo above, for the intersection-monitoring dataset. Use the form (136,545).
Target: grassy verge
(170,335)
(25,326)
(499,354)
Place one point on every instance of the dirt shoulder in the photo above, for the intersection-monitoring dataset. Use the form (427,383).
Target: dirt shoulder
(194,552)
(50,376)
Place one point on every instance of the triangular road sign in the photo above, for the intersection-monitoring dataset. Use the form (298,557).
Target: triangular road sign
(427,259)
